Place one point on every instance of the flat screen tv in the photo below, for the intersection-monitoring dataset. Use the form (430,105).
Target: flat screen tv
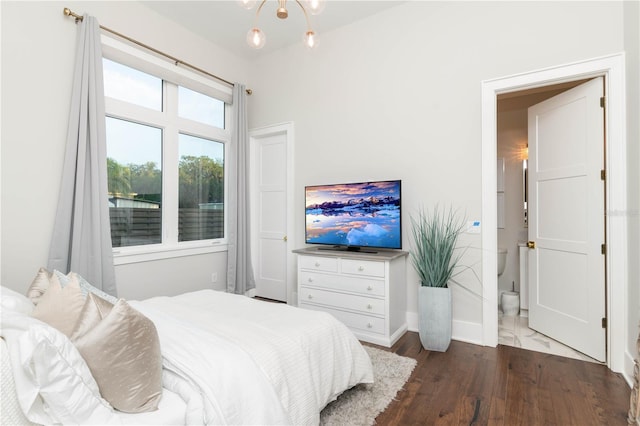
(354,216)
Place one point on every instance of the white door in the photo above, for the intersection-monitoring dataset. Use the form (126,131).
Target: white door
(566,219)
(269,213)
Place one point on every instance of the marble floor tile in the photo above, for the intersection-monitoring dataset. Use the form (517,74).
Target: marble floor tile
(515,331)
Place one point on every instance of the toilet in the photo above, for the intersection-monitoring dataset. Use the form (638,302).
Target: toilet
(510,300)
(502,260)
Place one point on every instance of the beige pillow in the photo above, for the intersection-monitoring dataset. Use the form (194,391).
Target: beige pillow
(39,285)
(122,349)
(60,307)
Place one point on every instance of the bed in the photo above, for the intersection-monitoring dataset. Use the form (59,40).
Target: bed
(223,359)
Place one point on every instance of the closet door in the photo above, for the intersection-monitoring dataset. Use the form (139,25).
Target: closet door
(271,175)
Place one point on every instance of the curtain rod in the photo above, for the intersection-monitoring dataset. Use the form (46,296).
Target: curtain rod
(69,12)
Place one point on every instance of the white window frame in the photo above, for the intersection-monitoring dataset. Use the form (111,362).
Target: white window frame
(171,125)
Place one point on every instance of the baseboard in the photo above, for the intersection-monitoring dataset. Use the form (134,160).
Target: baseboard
(463,331)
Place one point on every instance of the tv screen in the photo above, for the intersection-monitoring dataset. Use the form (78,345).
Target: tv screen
(354,215)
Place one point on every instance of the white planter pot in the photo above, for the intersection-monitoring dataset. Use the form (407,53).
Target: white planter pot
(434,315)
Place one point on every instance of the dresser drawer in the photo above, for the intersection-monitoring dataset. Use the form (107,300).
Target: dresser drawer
(318,263)
(340,300)
(362,267)
(365,286)
(352,320)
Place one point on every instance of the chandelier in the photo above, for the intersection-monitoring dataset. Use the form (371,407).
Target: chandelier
(256,38)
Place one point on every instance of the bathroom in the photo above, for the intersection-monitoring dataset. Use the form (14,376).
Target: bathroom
(512,232)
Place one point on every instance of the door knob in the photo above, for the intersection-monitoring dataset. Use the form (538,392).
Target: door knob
(531,244)
(284,238)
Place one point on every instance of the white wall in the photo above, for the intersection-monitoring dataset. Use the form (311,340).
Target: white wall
(38,47)
(632,48)
(397,95)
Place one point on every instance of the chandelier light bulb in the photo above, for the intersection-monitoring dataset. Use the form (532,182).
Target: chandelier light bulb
(310,39)
(247,4)
(315,7)
(256,38)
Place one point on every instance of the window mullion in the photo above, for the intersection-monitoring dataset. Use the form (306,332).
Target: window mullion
(170,165)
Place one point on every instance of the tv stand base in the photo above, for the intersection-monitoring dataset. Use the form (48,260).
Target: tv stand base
(347,248)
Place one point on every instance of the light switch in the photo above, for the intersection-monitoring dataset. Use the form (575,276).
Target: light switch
(473,227)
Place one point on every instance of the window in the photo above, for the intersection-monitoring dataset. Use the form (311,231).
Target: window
(166,164)
(199,107)
(200,188)
(134,177)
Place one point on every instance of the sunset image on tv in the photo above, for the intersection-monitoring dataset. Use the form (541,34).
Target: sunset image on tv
(354,214)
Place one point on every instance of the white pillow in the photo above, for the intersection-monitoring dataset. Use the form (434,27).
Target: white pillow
(53,382)
(15,302)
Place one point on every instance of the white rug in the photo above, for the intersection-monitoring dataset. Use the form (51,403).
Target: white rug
(360,405)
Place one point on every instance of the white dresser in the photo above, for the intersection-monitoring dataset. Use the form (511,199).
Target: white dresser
(367,292)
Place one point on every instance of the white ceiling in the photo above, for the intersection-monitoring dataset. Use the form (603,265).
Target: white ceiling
(226,24)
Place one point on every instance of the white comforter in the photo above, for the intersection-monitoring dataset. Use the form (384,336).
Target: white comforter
(227,360)
(235,360)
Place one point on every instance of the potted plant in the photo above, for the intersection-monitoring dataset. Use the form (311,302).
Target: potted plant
(434,257)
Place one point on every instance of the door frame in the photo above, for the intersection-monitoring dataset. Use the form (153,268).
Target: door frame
(612,68)
(255,134)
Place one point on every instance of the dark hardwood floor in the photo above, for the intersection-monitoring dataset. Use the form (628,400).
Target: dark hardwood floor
(476,385)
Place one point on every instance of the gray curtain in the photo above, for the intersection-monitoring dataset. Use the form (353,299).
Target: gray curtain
(81,240)
(240,278)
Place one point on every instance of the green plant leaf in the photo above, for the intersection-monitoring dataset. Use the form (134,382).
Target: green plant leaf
(435,235)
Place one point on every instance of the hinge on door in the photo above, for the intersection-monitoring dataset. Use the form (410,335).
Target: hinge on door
(604,323)
(603,174)
(603,101)
(603,249)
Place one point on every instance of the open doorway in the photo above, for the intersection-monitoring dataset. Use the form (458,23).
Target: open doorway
(612,68)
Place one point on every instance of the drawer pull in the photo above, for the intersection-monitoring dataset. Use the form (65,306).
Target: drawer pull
(310,296)
(310,279)
(317,263)
(369,325)
(369,288)
(369,306)
(360,268)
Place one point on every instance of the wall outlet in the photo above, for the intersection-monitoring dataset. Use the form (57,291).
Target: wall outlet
(214,277)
